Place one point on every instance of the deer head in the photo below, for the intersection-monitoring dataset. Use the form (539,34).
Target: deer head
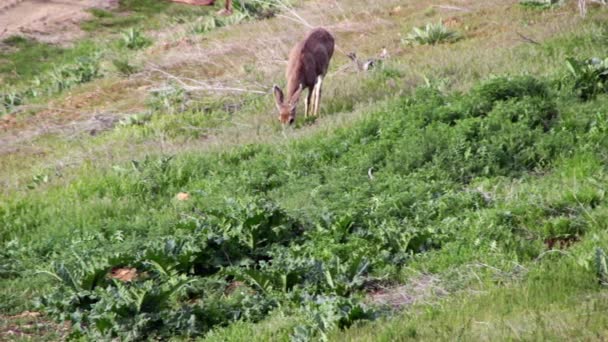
(287,106)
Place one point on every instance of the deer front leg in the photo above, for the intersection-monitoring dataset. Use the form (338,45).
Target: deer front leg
(307,102)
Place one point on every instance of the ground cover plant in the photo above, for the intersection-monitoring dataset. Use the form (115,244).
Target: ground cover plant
(541,4)
(432,34)
(308,226)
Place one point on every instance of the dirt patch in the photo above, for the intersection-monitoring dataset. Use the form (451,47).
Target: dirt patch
(416,291)
(32,326)
(125,274)
(52,21)
(561,242)
(19,140)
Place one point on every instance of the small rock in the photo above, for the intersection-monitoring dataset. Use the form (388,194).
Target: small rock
(395,10)
(182,196)
(124,274)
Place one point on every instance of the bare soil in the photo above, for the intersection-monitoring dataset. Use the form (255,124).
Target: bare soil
(52,21)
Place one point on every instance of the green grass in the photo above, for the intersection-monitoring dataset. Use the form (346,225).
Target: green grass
(311,207)
(555,301)
(24,59)
(146,14)
(111,21)
(540,4)
(32,71)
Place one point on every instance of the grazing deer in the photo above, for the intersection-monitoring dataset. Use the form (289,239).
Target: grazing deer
(308,64)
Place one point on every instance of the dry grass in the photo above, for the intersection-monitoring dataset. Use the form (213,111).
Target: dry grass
(31,326)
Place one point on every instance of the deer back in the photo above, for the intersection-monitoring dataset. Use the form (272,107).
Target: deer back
(309,59)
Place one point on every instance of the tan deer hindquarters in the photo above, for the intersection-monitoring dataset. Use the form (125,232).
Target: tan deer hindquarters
(308,64)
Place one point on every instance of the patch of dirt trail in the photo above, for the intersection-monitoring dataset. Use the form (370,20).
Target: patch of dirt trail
(53,21)
(32,326)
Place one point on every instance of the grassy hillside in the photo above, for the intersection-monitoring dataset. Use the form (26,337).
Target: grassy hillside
(456,191)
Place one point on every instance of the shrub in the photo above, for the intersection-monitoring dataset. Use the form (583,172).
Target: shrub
(589,77)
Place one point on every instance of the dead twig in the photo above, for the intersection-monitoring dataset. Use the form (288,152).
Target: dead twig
(453,8)
(542,255)
(196,85)
(527,39)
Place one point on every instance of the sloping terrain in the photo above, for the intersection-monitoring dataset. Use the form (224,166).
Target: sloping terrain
(455,190)
(50,21)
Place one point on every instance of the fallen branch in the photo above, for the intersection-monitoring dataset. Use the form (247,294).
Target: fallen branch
(542,255)
(196,85)
(453,8)
(528,39)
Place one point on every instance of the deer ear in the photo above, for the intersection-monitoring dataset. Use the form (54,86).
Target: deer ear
(296,96)
(278,95)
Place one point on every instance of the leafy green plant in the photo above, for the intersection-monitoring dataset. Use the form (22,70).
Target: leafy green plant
(589,77)
(135,119)
(541,4)
(323,314)
(11,264)
(432,34)
(133,39)
(206,24)
(171,100)
(83,71)
(258,9)
(15,40)
(10,99)
(209,23)
(601,266)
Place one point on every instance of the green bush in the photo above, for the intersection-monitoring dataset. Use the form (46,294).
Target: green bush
(589,77)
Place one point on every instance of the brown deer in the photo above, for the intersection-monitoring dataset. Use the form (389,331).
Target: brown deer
(308,64)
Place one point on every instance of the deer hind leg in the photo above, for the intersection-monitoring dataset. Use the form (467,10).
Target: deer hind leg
(317,97)
(315,91)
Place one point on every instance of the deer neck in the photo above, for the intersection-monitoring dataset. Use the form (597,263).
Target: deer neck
(294,79)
